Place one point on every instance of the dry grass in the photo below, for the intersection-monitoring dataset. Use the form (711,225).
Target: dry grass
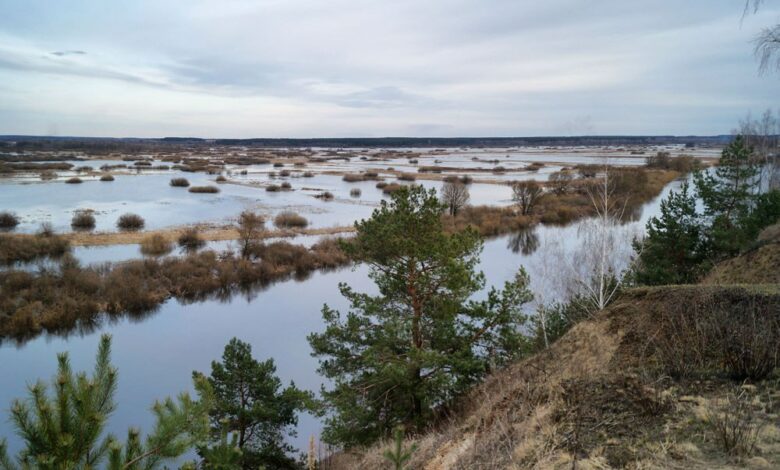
(594,400)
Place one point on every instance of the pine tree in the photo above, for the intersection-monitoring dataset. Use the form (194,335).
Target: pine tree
(249,397)
(66,430)
(396,356)
(674,250)
(729,194)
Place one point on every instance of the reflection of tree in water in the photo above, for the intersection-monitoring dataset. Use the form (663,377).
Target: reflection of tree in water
(526,241)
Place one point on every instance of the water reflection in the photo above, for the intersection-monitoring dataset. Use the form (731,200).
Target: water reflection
(526,241)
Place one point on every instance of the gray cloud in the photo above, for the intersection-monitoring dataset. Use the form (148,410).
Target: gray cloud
(371,67)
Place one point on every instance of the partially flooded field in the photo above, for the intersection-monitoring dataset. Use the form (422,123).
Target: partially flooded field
(274,317)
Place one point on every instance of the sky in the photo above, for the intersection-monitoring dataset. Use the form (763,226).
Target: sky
(371,68)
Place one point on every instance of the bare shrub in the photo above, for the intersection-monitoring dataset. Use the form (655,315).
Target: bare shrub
(106,178)
(204,189)
(190,239)
(735,424)
(286,186)
(156,245)
(325,196)
(130,222)
(83,220)
(355,192)
(308,174)
(8,220)
(289,219)
(221,179)
(180,182)
(74,180)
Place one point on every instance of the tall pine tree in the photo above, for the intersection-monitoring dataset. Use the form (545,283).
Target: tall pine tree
(397,356)
(674,250)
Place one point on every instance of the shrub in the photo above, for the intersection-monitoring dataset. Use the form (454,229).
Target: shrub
(74,180)
(273,188)
(735,425)
(8,220)
(83,220)
(371,175)
(355,192)
(204,189)
(180,182)
(406,177)
(47,175)
(190,240)
(327,195)
(143,163)
(352,178)
(156,245)
(221,179)
(466,179)
(289,219)
(286,186)
(391,188)
(30,247)
(278,165)
(308,174)
(130,222)
(285,173)
(107,178)
(499,169)
(381,185)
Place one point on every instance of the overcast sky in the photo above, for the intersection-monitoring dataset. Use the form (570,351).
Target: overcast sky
(330,68)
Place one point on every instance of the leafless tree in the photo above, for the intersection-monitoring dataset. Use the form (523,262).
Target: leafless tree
(526,194)
(250,230)
(762,134)
(560,181)
(454,195)
(766,43)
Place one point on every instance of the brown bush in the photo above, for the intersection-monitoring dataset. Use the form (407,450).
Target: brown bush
(23,248)
(204,189)
(8,220)
(106,178)
(83,220)
(325,196)
(221,179)
(156,245)
(74,180)
(289,219)
(190,240)
(353,178)
(407,177)
(130,222)
(273,188)
(179,182)
(355,192)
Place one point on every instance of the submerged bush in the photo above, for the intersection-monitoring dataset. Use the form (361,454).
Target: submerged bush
(156,245)
(25,248)
(180,182)
(8,220)
(204,189)
(130,222)
(355,192)
(326,196)
(107,178)
(74,180)
(286,186)
(273,188)
(289,219)
(83,220)
(190,240)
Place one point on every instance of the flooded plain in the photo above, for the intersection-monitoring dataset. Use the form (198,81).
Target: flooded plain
(157,352)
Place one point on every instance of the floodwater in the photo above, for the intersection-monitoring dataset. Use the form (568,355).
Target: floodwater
(157,352)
